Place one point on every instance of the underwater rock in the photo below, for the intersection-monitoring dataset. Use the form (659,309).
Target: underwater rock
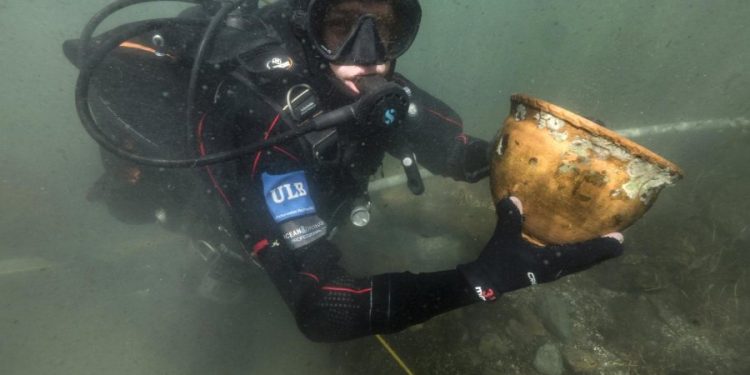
(556,316)
(517,331)
(531,323)
(416,327)
(501,368)
(492,346)
(548,360)
(580,361)
(591,358)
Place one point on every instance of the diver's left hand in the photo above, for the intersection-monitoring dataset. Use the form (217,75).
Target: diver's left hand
(509,262)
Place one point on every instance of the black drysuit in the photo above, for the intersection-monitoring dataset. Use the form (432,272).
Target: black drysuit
(286,200)
(290,242)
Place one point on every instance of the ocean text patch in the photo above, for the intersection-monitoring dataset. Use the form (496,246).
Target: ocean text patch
(287,195)
(303,231)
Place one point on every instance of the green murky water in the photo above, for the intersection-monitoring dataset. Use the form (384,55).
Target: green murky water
(82,293)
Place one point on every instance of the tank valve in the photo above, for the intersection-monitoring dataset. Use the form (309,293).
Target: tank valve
(360,215)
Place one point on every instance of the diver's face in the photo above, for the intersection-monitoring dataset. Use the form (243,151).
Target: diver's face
(334,33)
(348,74)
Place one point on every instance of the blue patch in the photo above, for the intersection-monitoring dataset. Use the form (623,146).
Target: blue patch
(287,195)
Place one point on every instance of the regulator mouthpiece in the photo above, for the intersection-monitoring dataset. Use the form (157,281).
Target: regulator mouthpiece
(382,106)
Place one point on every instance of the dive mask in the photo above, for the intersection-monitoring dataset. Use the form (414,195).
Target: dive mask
(362,32)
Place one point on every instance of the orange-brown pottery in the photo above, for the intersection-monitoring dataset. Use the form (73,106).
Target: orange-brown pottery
(577,180)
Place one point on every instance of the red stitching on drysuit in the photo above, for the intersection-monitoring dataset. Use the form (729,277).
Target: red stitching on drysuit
(346,290)
(285,152)
(445,118)
(265,138)
(310,275)
(202,150)
(260,246)
(282,150)
(331,288)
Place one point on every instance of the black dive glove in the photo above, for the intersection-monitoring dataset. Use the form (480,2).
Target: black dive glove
(508,262)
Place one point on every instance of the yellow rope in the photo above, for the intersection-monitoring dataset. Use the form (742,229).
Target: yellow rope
(394,354)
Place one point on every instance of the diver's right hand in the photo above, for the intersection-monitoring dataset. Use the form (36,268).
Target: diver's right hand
(509,262)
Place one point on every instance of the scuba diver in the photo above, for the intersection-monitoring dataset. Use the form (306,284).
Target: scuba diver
(285,111)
